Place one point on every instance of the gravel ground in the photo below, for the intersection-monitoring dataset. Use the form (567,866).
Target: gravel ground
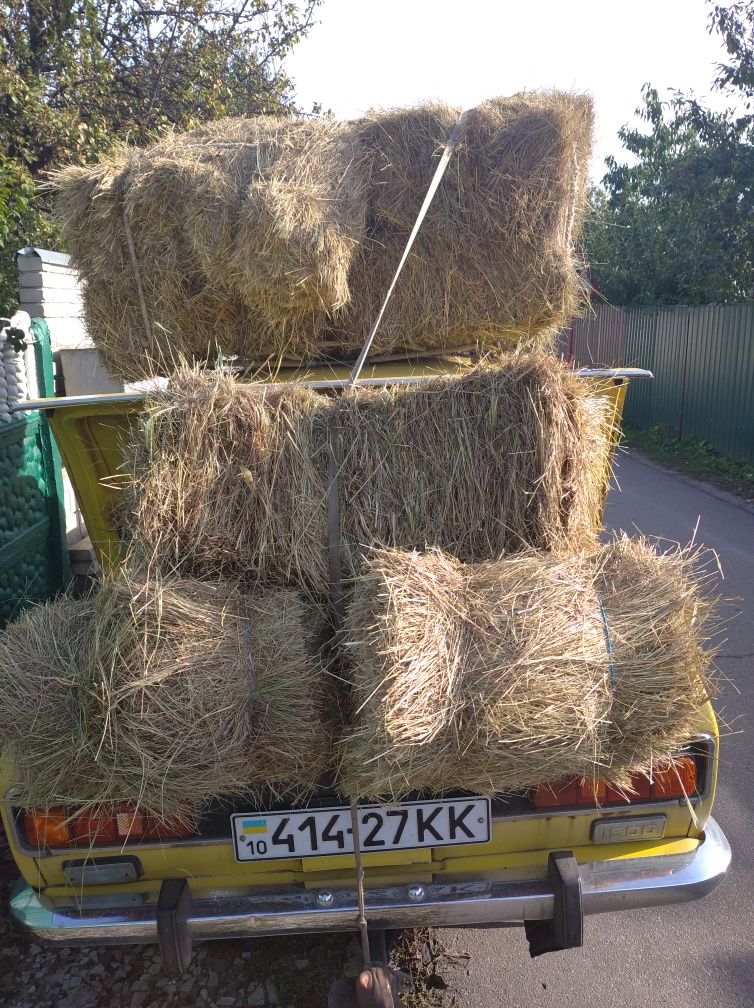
(294,972)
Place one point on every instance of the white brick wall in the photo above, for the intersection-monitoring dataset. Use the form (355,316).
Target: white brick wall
(49,288)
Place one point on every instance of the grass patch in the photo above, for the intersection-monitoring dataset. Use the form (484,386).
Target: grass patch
(420,953)
(694,457)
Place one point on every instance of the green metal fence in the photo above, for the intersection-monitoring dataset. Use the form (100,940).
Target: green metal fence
(33,553)
(703,362)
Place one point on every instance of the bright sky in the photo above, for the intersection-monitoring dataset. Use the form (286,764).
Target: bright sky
(380,53)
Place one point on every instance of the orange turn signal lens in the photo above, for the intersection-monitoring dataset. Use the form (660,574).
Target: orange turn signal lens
(48,828)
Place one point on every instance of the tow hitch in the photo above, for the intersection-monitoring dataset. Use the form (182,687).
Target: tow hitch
(377,986)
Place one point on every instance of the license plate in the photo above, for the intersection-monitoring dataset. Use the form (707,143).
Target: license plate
(300,833)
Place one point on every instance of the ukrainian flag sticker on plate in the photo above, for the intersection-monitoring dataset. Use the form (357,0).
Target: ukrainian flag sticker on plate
(252,827)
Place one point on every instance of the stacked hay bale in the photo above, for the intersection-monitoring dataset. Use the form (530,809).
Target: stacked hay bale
(499,649)
(231,479)
(494,259)
(277,237)
(164,693)
(509,674)
(235,238)
(490,644)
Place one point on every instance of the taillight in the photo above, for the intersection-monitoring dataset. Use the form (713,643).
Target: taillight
(122,823)
(567,792)
(48,828)
(675,780)
(640,789)
(114,825)
(91,828)
(171,828)
(678,780)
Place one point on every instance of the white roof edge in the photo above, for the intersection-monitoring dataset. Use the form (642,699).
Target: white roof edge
(44,255)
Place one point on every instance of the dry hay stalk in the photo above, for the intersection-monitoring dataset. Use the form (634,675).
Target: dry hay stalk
(230,479)
(277,237)
(165,694)
(496,677)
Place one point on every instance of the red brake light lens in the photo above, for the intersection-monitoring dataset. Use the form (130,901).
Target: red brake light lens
(569,792)
(675,780)
(172,828)
(89,828)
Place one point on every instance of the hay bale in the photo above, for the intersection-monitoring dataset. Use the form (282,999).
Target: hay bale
(277,236)
(496,677)
(181,299)
(165,694)
(243,231)
(494,260)
(230,479)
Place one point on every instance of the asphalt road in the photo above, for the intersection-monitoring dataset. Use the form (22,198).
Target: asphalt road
(693,955)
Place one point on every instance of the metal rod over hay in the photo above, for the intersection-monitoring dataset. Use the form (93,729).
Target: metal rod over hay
(166,694)
(230,479)
(510,674)
(277,237)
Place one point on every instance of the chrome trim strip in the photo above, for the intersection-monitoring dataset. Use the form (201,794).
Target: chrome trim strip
(54,402)
(606,886)
(339,383)
(662,805)
(604,372)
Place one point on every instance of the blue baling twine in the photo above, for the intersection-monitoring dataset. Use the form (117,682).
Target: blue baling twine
(609,644)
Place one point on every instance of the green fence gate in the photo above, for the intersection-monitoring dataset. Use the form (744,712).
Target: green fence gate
(33,552)
(702,357)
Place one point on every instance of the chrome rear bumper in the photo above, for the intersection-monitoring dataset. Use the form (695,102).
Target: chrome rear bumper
(606,885)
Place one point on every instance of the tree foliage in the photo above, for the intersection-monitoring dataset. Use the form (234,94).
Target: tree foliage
(677,224)
(77,75)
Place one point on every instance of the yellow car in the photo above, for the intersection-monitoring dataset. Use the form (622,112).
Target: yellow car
(542,858)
